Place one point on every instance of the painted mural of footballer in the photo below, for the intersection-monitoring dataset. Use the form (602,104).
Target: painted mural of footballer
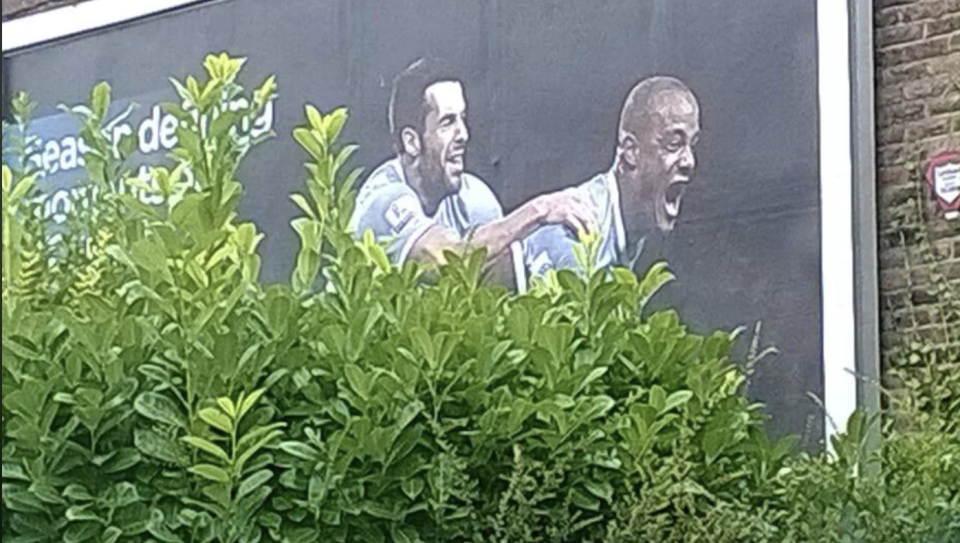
(641,193)
(423,202)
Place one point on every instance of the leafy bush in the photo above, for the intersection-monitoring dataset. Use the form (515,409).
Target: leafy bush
(154,390)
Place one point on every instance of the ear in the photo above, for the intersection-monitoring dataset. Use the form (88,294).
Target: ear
(629,150)
(411,142)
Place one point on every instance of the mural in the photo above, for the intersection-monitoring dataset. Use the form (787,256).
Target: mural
(519,127)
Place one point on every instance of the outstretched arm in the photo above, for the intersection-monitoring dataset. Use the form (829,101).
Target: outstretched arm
(566,207)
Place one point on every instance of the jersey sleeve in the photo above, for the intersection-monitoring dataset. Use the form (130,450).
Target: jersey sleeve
(549,248)
(395,216)
(483,205)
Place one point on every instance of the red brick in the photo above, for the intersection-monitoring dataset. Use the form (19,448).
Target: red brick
(914,52)
(943,26)
(895,35)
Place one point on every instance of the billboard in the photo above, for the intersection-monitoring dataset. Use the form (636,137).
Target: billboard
(715,135)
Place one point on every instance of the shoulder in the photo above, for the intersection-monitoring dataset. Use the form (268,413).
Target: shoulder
(475,187)
(385,178)
(385,198)
(598,190)
(476,193)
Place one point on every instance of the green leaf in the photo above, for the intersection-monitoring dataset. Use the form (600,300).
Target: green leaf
(310,144)
(256,433)
(222,124)
(584,501)
(124,460)
(111,535)
(603,490)
(658,398)
(211,473)
(80,532)
(337,119)
(217,420)
(22,188)
(118,254)
(249,402)
(159,530)
(227,406)
(128,145)
(412,487)
(247,454)
(314,117)
(77,493)
(158,408)
(253,482)
(153,445)
(100,100)
(676,400)
(14,472)
(46,494)
(206,446)
(360,381)
(405,534)
(7,179)
(82,513)
(303,205)
(299,450)
(149,255)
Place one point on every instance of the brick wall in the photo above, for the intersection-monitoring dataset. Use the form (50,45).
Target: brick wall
(918,113)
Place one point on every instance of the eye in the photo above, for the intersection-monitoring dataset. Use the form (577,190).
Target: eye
(447,120)
(674,144)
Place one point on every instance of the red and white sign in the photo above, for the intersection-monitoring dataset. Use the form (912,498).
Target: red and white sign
(944,178)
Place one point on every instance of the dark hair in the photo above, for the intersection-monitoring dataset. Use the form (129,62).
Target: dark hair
(408,106)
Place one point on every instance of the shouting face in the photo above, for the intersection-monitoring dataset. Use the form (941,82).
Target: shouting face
(664,156)
(444,137)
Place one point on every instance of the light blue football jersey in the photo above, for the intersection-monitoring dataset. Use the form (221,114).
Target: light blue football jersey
(391,209)
(553,247)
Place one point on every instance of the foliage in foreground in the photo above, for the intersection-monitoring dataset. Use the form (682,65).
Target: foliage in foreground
(153,390)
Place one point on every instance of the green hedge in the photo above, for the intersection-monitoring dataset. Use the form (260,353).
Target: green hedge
(154,390)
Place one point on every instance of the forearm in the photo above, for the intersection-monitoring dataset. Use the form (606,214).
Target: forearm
(497,236)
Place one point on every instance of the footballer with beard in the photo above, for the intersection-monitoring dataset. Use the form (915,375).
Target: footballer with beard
(642,191)
(423,203)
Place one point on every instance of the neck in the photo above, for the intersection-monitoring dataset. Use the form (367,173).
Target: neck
(429,197)
(638,220)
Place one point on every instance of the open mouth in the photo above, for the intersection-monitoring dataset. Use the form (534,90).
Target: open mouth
(673,196)
(455,159)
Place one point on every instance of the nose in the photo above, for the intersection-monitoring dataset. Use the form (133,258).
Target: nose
(462,133)
(688,161)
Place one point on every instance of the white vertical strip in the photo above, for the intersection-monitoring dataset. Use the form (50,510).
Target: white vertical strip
(836,199)
(70,20)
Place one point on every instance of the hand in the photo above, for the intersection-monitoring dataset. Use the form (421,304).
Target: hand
(571,208)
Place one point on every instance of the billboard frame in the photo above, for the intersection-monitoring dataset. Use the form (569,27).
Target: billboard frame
(849,273)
